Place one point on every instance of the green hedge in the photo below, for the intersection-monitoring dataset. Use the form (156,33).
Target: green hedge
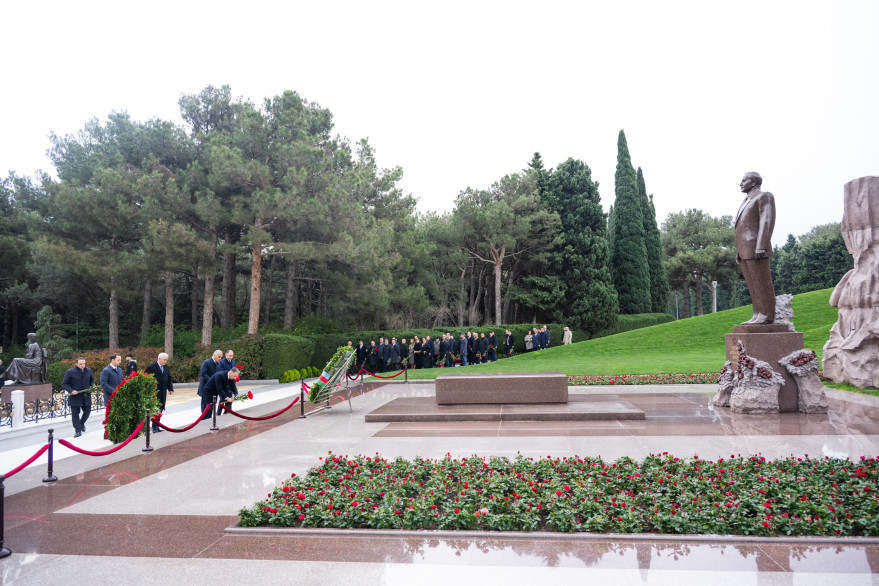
(282,353)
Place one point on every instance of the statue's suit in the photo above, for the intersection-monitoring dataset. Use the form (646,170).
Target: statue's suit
(754,223)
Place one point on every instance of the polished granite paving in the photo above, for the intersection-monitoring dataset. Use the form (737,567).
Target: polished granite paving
(168,515)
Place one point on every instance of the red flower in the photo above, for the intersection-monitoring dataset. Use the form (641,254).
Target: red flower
(457,511)
(250,394)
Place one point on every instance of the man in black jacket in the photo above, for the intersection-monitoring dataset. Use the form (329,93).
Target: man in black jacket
(471,347)
(222,384)
(492,347)
(164,385)
(76,379)
(360,354)
(509,343)
(482,349)
(382,355)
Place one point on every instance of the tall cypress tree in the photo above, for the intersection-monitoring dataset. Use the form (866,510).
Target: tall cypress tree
(581,260)
(631,273)
(659,288)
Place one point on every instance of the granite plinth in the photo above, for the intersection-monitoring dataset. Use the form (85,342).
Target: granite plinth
(769,347)
(579,408)
(513,388)
(760,328)
(42,391)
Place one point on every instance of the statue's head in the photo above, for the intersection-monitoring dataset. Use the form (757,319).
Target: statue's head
(32,337)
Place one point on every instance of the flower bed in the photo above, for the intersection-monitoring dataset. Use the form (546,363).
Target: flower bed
(742,495)
(702,378)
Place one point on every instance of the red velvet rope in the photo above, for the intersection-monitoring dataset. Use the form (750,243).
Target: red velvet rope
(27,462)
(377,376)
(105,452)
(223,405)
(359,374)
(181,429)
(305,386)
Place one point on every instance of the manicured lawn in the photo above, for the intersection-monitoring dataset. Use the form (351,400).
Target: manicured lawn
(693,345)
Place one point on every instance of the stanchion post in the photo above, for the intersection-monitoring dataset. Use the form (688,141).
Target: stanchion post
(301,398)
(214,412)
(49,476)
(4,551)
(148,424)
(405,374)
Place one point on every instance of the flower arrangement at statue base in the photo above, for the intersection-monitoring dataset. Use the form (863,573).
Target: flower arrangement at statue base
(747,495)
(128,404)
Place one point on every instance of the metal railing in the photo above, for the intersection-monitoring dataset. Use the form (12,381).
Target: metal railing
(43,409)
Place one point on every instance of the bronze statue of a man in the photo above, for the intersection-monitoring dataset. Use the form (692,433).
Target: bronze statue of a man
(754,223)
(31,368)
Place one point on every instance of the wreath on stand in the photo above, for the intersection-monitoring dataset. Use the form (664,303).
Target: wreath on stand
(128,404)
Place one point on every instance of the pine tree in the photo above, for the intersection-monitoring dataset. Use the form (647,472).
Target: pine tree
(659,288)
(631,272)
(581,259)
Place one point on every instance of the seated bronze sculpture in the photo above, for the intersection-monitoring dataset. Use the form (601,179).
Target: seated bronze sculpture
(33,368)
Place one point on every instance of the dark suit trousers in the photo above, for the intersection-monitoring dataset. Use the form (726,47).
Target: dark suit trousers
(79,415)
(759,281)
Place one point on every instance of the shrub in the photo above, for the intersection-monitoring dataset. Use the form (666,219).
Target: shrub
(98,359)
(56,374)
(289,377)
(325,346)
(315,324)
(282,353)
(128,405)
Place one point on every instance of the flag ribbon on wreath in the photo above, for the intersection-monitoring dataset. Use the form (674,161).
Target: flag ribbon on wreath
(324,376)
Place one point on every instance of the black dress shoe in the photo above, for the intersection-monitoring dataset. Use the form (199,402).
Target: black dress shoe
(157,429)
(83,428)
(77,434)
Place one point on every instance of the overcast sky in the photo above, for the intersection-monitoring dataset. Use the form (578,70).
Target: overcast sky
(460,94)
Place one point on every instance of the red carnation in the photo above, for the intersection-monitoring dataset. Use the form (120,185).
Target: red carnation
(250,394)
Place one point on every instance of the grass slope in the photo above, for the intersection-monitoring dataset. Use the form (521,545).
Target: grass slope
(689,345)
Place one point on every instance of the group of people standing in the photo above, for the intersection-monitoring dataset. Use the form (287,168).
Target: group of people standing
(218,376)
(424,352)
(79,379)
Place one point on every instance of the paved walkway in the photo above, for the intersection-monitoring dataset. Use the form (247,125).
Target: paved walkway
(163,516)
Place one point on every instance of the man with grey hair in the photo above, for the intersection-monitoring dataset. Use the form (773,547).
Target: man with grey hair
(164,385)
(754,223)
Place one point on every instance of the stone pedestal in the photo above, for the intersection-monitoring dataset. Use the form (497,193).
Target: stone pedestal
(770,343)
(42,391)
(508,388)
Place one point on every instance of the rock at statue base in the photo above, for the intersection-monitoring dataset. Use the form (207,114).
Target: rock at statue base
(851,354)
(768,343)
(784,313)
(803,367)
(754,400)
(724,386)
(756,385)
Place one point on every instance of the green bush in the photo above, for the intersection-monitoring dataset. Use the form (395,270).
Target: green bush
(248,355)
(289,377)
(56,374)
(128,406)
(627,323)
(325,346)
(314,324)
(282,353)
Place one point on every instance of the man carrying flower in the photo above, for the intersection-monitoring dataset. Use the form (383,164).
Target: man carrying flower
(222,384)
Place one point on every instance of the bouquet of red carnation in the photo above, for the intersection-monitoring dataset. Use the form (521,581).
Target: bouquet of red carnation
(244,397)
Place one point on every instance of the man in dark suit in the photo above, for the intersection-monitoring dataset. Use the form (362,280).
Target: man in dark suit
(111,376)
(404,353)
(471,347)
(360,354)
(482,349)
(450,351)
(509,343)
(227,362)
(164,385)
(427,349)
(393,355)
(130,364)
(754,224)
(382,357)
(372,359)
(76,379)
(462,349)
(208,368)
(492,347)
(222,384)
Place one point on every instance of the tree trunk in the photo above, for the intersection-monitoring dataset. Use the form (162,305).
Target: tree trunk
(291,295)
(699,310)
(255,284)
(169,314)
(472,318)
(461,306)
(486,307)
(511,278)
(193,297)
(227,317)
(498,262)
(269,288)
(114,318)
(145,316)
(210,277)
(685,302)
